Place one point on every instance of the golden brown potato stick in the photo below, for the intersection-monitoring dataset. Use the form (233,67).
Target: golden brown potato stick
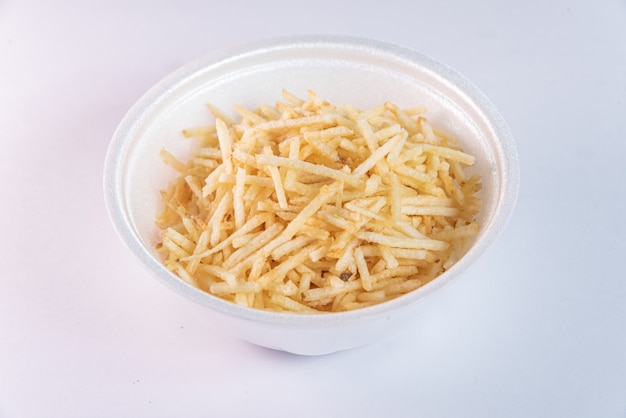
(310,207)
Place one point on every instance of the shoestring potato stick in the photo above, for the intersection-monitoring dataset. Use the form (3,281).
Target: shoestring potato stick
(311,207)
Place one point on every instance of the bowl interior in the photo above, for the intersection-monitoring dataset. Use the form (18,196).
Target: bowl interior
(341,70)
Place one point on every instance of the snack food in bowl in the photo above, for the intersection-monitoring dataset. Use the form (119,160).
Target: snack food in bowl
(320,223)
(312,207)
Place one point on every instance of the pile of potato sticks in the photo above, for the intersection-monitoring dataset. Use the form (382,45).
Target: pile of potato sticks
(311,207)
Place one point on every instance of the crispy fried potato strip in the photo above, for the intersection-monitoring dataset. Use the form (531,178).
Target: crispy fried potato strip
(309,207)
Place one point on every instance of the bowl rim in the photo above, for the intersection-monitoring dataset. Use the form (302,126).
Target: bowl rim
(114,169)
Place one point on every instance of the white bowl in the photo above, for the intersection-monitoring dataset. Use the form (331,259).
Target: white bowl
(362,72)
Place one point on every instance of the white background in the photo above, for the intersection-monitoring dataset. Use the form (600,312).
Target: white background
(536,329)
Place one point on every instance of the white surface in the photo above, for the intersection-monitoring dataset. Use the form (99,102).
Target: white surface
(537,328)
